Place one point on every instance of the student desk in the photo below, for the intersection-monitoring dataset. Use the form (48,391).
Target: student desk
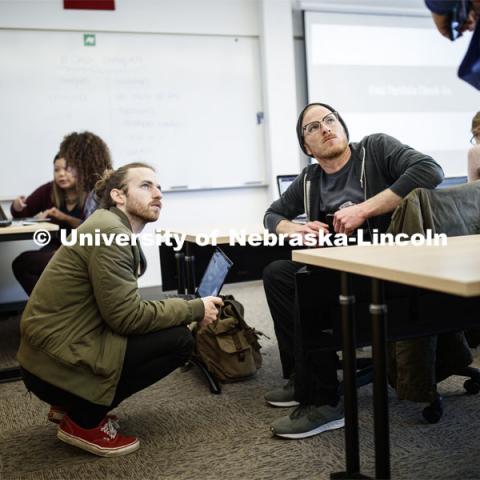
(18,231)
(452,269)
(248,261)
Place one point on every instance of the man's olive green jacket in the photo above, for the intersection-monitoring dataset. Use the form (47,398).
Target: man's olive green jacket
(75,327)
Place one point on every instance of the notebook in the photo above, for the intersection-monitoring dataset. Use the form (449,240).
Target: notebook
(213,278)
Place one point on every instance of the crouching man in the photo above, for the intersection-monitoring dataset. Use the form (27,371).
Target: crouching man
(88,341)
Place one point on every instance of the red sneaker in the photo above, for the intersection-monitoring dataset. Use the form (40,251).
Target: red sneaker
(56,414)
(103,440)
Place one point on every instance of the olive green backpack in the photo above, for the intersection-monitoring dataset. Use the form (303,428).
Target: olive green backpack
(228,347)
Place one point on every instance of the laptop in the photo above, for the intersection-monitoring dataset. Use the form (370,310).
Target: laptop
(213,278)
(4,221)
(283,182)
(453,181)
(24,220)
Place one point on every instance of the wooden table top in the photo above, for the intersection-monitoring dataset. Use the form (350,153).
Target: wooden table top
(454,268)
(17,228)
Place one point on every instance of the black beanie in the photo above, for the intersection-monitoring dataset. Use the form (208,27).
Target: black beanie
(300,120)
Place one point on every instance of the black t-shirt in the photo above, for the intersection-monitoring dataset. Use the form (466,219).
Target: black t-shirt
(339,189)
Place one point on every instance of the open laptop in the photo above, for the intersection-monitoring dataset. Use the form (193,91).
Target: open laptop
(453,181)
(24,220)
(4,221)
(283,182)
(213,278)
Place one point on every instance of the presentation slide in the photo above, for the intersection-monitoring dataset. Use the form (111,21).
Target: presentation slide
(395,75)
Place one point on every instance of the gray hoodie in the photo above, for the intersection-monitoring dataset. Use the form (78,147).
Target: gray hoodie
(380,162)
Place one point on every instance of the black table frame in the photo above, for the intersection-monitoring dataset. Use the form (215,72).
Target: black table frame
(12,374)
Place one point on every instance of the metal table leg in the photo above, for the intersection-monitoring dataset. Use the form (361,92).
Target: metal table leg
(190,268)
(352,455)
(378,312)
(180,265)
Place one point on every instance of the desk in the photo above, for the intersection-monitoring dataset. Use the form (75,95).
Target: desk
(17,231)
(452,269)
(249,261)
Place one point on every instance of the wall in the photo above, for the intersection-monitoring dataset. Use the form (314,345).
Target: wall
(270,20)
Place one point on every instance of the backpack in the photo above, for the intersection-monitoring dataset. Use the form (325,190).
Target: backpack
(228,347)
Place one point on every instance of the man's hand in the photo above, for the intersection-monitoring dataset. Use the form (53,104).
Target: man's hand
(300,230)
(471,21)
(211,311)
(442,22)
(19,203)
(347,220)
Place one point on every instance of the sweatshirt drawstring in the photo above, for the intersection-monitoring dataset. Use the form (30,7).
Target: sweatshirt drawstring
(362,173)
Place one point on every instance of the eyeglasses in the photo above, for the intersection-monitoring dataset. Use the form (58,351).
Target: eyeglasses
(330,121)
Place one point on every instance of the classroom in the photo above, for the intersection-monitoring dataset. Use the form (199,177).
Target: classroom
(260,149)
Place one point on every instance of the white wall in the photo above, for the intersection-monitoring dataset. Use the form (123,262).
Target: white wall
(270,20)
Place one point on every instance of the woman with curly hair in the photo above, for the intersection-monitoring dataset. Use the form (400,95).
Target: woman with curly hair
(61,202)
(87,157)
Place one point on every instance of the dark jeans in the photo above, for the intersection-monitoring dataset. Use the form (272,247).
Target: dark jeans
(28,266)
(306,315)
(148,359)
(300,319)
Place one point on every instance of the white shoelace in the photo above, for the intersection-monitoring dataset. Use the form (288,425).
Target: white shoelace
(109,428)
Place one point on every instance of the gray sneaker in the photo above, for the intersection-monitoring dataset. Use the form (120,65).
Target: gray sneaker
(309,420)
(282,396)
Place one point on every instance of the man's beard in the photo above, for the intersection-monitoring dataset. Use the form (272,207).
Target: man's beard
(145,214)
(333,151)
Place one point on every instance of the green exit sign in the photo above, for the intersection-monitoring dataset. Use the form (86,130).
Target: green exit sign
(89,40)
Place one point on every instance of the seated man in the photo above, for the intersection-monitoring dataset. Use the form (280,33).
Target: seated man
(88,341)
(351,186)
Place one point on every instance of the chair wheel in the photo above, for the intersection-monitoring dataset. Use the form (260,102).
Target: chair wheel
(433,413)
(472,386)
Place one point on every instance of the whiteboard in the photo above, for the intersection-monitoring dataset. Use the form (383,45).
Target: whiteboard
(190,105)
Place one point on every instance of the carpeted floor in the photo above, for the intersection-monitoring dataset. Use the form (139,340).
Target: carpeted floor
(188,433)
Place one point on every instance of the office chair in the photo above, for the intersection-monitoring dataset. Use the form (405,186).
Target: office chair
(454,211)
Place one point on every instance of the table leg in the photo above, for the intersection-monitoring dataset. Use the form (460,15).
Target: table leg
(378,312)
(352,455)
(180,265)
(190,268)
